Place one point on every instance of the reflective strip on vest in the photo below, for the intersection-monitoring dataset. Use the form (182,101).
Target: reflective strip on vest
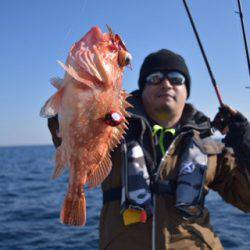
(190,180)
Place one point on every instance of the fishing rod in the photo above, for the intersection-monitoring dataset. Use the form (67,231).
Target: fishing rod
(244,36)
(204,55)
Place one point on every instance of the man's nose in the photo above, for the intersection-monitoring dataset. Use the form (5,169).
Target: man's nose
(166,83)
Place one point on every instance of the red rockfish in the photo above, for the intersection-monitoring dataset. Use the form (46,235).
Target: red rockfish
(90,104)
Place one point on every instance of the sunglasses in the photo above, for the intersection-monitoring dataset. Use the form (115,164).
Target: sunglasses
(174,77)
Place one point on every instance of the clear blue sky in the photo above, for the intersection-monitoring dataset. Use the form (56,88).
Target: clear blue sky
(34,34)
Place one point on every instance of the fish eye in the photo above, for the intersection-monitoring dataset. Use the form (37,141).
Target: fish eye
(124,58)
(128,59)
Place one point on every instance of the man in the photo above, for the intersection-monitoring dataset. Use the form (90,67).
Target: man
(167,163)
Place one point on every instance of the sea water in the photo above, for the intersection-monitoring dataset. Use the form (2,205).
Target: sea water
(30,203)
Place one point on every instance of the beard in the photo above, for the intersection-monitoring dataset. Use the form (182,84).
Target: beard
(166,107)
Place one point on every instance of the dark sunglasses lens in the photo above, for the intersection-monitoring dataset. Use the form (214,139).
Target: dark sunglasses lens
(176,78)
(155,78)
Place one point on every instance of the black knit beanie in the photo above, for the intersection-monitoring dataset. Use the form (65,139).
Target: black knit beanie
(163,60)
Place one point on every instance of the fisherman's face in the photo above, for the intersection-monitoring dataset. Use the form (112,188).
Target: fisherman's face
(164,97)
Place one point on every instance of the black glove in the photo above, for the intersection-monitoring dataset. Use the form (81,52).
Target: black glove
(53,126)
(224,118)
(237,129)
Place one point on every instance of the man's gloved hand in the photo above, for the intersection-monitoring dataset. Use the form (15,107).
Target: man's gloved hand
(53,126)
(237,130)
(224,118)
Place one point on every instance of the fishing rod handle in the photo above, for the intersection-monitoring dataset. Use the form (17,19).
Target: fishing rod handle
(218,95)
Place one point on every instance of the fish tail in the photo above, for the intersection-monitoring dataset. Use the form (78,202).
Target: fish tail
(74,210)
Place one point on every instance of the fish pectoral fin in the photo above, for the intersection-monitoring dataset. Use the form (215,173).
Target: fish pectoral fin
(57,82)
(71,71)
(52,105)
(100,172)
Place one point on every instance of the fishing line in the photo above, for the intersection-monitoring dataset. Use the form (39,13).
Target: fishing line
(69,32)
(244,35)
(203,54)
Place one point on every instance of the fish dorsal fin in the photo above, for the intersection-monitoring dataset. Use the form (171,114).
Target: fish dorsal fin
(57,82)
(111,33)
(100,172)
(119,131)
